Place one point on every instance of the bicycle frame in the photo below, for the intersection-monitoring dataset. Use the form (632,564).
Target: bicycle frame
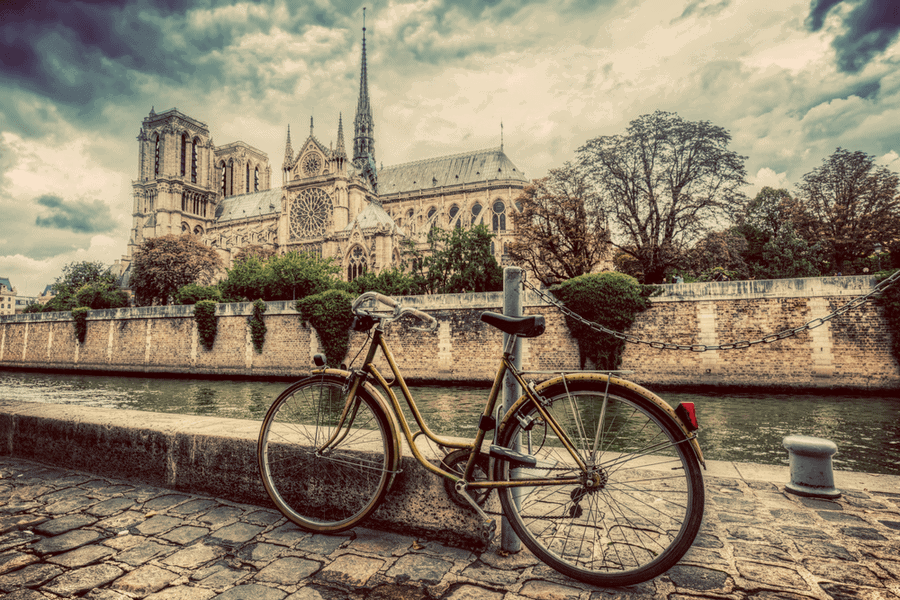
(369,369)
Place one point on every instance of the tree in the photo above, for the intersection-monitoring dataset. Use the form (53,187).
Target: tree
(101,295)
(290,277)
(77,275)
(855,203)
(390,282)
(163,264)
(665,183)
(461,261)
(718,253)
(561,232)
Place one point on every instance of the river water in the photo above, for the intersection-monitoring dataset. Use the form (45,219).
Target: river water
(743,427)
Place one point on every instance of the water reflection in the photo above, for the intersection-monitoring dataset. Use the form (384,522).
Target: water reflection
(744,427)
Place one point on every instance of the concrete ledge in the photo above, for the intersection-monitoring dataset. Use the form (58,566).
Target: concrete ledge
(207,455)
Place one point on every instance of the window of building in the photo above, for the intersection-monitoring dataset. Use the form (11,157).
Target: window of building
(499,218)
(256,179)
(356,264)
(247,180)
(476,211)
(194,145)
(156,159)
(454,211)
(223,179)
(183,154)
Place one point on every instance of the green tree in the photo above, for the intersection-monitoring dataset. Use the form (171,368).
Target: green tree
(718,253)
(292,276)
(855,203)
(101,295)
(561,231)
(461,261)
(390,282)
(77,275)
(788,255)
(163,264)
(665,183)
(193,293)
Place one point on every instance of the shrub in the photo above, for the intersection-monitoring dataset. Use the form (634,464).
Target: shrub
(329,312)
(193,293)
(258,326)
(205,315)
(101,295)
(610,299)
(79,319)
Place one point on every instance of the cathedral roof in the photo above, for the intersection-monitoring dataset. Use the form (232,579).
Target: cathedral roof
(249,205)
(455,169)
(371,216)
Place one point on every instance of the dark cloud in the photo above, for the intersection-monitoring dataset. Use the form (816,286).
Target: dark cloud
(75,215)
(701,8)
(870,26)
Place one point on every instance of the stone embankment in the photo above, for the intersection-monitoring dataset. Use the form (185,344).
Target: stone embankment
(849,352)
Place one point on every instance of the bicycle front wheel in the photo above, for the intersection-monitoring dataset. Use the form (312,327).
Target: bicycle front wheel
(637,507)
(321,486)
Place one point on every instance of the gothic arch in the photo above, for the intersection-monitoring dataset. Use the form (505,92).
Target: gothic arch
(357,262)
(498,215)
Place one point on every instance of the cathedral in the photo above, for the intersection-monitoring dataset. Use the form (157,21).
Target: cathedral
(332,202)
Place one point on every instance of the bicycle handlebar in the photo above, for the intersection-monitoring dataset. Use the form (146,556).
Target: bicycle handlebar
(396,312)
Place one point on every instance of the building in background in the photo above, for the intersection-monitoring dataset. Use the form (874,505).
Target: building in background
(7,297)
(333,201)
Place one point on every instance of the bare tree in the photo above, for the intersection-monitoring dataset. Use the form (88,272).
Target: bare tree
(855,203)
(561,231)
(665,183)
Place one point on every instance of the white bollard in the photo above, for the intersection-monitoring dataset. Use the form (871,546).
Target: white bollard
(811,473)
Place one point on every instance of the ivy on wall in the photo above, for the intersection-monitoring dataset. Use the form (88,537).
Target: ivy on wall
(610,299)
(889,300)
(329,312)
(205,315)
(79,318)
(257,325)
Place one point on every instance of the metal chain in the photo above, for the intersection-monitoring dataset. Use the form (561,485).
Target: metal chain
(768,339)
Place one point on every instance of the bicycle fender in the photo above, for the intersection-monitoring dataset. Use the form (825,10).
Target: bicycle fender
(631,386)
(385,406)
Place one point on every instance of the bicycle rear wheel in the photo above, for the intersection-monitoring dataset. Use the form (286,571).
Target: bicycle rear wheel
(326,489)
(636,510)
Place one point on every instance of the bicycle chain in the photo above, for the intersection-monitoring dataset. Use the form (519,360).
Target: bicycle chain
(768,339)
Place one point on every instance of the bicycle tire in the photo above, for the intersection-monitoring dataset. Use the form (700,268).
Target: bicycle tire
(645,507)
(332,491)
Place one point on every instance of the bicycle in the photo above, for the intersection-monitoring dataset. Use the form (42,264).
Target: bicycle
(597,476)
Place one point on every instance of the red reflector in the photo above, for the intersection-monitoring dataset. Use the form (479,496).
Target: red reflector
(688,415)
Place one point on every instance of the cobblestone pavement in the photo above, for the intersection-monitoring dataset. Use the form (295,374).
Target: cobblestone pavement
(68,534)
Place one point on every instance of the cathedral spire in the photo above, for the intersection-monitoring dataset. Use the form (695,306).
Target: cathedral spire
(339,151)
(288,149)
(364,125)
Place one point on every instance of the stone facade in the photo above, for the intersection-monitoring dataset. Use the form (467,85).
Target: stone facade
(330,203)
(851,351)
(7,297)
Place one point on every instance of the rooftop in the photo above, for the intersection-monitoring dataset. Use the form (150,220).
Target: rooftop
(455,169)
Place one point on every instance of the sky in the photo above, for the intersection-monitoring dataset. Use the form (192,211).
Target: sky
(791,80)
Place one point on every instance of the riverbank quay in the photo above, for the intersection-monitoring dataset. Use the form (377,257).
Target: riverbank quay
(849,352)
(67,533)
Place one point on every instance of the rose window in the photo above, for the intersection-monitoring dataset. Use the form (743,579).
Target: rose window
(310,213)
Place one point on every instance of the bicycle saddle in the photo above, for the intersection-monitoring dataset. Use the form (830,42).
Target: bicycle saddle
(531,326)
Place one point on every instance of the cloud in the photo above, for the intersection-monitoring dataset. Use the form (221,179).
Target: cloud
(869,27)
(74,215)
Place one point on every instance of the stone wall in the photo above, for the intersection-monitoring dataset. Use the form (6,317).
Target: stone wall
(851,351)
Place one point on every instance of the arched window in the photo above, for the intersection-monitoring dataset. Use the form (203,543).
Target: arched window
(183,201)
(499,218)
(476,211)
(185,228)
(224,189)
(431,212)
(194,145)
(198,230)
(183,154)
(157,158)
(454,211)
(247,180)
(356,263)
(256,179)
(231,178)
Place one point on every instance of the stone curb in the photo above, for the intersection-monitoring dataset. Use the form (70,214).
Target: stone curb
(66,533)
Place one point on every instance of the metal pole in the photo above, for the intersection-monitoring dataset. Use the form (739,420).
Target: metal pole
(512,307)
